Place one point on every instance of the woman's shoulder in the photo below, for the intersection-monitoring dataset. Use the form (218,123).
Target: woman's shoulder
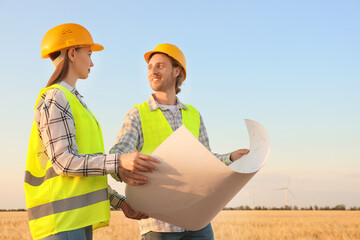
(53,96)
(51,103)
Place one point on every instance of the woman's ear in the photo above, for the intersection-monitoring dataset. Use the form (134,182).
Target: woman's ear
(71,54)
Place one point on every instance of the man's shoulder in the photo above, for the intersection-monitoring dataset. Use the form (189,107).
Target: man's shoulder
(133,113)
(140,104)
(190,107)
(193,109)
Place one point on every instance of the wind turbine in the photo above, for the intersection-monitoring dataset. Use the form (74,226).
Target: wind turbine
(287,191)
(313,204)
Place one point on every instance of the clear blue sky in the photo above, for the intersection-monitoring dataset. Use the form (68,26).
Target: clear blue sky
(293,66)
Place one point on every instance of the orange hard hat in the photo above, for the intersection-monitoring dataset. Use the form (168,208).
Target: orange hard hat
(170,50)
(65,36)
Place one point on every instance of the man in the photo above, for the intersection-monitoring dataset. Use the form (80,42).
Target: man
(148,124)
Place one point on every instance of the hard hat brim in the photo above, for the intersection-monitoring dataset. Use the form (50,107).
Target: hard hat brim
(94,47)
(148,54)
(97,47)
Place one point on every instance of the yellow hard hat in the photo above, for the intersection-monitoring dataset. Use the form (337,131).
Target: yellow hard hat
(171,50)
(65,36)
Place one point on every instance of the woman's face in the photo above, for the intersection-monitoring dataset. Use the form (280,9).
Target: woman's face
(82,62)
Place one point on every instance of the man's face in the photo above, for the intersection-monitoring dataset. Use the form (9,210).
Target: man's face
(161,73)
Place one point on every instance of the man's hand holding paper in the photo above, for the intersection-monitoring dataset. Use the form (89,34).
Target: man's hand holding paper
(236,155)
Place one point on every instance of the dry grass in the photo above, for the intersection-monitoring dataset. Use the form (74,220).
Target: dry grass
(13,225)
(298,225)
(228,225)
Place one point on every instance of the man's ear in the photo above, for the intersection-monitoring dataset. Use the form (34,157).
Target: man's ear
(71,54)
(177,72)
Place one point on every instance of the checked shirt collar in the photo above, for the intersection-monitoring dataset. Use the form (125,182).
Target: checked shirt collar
(153,104)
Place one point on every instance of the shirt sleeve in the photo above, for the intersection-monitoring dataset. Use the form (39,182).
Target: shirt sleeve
(204,139)
(128,139)
(115,198)
(56,128)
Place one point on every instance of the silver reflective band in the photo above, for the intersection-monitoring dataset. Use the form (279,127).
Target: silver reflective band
(67,204)
(37,181)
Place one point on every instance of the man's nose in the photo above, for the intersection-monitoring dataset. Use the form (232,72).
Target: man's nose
(153,71)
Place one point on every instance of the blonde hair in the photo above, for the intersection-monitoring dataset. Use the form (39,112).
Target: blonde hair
(181,77)
(61,69)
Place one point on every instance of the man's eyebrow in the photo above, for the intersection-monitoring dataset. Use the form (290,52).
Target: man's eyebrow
(156,63)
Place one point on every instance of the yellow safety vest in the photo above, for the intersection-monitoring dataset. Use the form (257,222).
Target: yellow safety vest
(58,203)
(156,128)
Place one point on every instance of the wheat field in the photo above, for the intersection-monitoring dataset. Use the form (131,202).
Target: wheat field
(228,225)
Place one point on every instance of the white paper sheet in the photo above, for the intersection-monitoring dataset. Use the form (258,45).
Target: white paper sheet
(259,149)
(191,185)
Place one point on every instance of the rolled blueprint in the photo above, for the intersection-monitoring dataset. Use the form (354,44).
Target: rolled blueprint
(191,186)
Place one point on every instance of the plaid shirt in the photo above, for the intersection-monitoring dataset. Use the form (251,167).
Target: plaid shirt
(131,139)
(56,127)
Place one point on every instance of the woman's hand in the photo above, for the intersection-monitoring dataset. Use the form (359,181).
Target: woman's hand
(137,162)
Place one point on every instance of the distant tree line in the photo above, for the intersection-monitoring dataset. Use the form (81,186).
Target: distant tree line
(246,207)
(337,207)
(13,210)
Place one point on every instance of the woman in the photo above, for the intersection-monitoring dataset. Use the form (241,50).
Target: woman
(66,188)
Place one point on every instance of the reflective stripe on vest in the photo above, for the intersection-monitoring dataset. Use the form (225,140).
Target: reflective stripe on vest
(67,204)
(156,128)
(37,181)
(59,203)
